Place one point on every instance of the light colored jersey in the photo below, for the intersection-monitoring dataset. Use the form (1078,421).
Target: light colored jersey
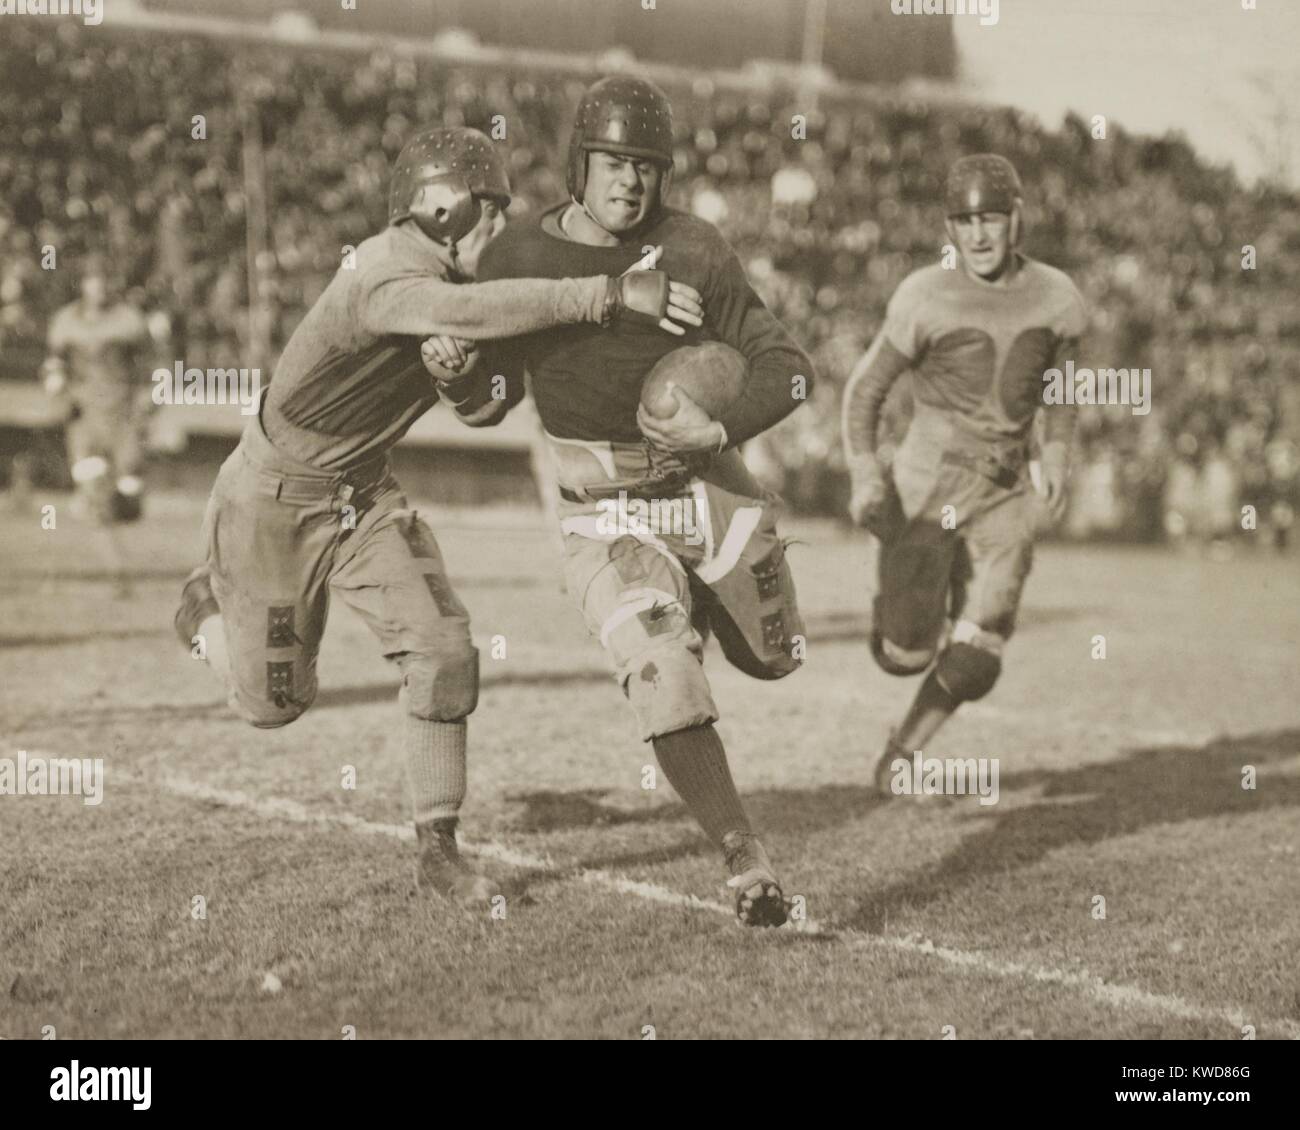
(978,352)
(104,351)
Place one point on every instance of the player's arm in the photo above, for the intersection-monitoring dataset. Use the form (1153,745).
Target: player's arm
(900,345)
(780,374)
(483,385)
(423,306)
(480,385)
(1058,432)
(483,390)
(864,398)
(1058,419)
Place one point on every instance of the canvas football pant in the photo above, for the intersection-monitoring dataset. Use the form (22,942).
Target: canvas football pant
(957,552)
(282,535)
(656,566)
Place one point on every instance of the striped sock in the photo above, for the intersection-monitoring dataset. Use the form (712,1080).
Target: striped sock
(435,767)
(695,764)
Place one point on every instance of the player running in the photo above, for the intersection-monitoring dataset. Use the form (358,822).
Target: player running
(652,595)
(96,345)
(307,502)
(956,514)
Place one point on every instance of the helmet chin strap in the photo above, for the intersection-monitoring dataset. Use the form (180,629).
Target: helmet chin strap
(589,213)
(1017,225)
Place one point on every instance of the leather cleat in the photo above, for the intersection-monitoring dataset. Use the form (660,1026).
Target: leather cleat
(440,868)
(759,898)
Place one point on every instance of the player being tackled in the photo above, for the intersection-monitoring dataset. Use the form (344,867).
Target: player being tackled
(652,591)
(956,513)
(307,504)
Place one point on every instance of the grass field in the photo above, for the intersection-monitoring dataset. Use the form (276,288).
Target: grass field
(1120,777)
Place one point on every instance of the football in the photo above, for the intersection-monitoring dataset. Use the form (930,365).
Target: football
(712,374)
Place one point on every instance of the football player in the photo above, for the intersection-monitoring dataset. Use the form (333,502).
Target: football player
(95,345)
(307,503)
(651,596)
(956,513)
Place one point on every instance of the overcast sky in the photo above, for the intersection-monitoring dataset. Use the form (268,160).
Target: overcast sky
(1151,64)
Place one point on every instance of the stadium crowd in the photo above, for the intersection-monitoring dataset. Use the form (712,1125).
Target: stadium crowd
(1186,272)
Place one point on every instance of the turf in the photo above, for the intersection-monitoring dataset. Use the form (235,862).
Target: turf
(1120,778)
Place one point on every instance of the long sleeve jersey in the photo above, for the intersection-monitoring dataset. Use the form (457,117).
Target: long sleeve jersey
(350,382)
(977,354)
(587,385)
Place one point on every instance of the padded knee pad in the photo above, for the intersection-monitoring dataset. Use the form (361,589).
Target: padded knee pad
(442,685)
(895,660)
(669,691)
(967,672)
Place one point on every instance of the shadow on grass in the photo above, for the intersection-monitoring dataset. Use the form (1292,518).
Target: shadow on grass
(331,698)
(550,810)
(1147,786)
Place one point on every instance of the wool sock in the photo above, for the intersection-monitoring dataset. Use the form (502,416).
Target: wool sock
(435,767)
(695,764)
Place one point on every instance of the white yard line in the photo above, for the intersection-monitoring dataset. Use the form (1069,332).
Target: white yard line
(1122,997)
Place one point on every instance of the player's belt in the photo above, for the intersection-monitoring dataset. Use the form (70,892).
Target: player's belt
(668,487)
(290,480)
(1003,473)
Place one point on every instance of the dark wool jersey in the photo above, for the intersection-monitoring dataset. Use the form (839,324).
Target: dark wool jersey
(350,382)
(587,383)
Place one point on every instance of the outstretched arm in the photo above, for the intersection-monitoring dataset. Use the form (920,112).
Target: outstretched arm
(420,305)
(864,397)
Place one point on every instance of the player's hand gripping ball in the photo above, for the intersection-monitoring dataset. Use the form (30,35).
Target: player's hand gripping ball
(711,374)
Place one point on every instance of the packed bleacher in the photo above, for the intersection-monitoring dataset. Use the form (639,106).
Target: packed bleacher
(97,146)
